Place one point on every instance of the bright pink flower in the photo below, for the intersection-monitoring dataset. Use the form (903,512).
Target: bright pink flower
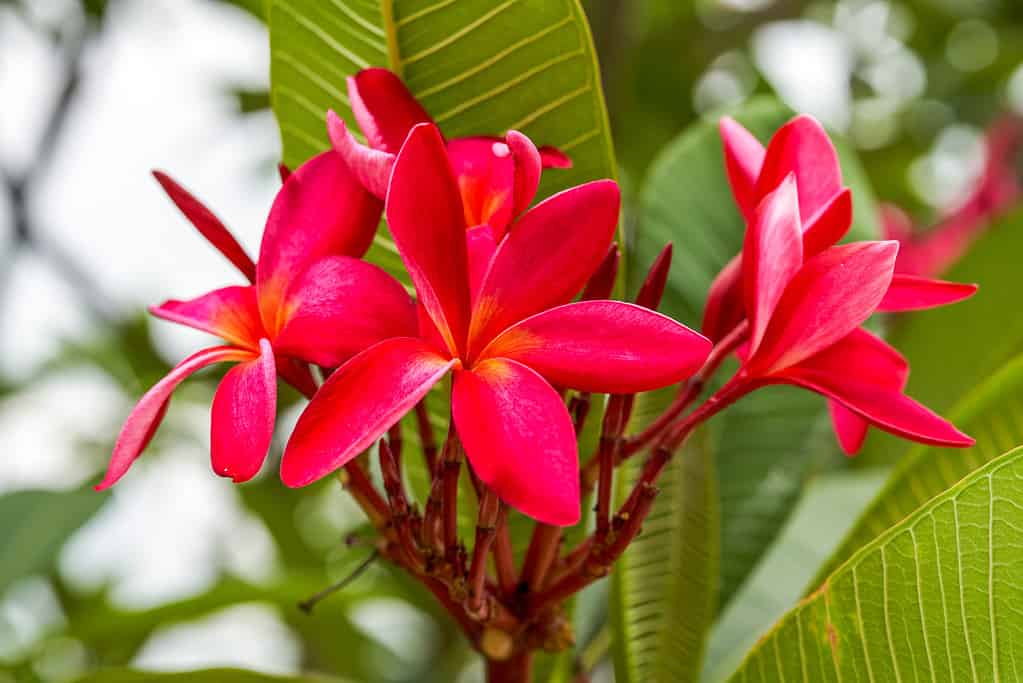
(312,300)
(804,326)
(507,344)
(800,148)
(496,177)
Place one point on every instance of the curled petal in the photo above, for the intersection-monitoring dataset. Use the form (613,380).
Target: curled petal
(340,306)
(802,147)
(911,293)
(744,156)
(244,409)
(138,429)
(321,210)
(829,226)
(371,166)
(552,157)
(553,250)
(604,346)
(528,163)
(519,438)
(830,297)
(724,309)
(771,255)
(208,225)
(230,313)
(384,108)
(485,172)
(424,213)
(850,428)
(357,404)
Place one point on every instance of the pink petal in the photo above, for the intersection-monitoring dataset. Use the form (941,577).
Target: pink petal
(384,108)
(744,156)
(771,256)
(850,428)
(829,226)
(321,210)
(424,213)
(552,157)
(145,417)
(357,404)
(547,258)
(652,290)
(724,309)
(602,282)
(340,306)
(866,376)
(284,172)
(208,225)
(830,297)
(480,247)
(608,347)
(911,293)
(802,147)
(485,172)
(371,166)
(528,162)
(519,438)
(244,409)
(230,313)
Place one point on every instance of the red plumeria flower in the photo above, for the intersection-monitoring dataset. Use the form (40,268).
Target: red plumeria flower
(496,177)
(506,346)
(800,148)
(311,299)
(804,327)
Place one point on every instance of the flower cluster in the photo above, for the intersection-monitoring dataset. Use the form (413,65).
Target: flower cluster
(511,301)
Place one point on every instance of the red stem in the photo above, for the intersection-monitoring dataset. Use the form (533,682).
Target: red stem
(426,437)
(485,532)
(504,557)
(542,551)
(516,669)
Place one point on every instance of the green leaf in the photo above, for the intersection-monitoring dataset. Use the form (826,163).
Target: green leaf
(992,414)
(936,597)
(206,676)
(769,439)
(34,526)
(664,588)
(478,67)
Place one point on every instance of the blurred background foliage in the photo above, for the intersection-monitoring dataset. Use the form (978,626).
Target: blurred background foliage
(178,570)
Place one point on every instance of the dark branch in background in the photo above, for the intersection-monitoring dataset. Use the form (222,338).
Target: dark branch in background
(19,187)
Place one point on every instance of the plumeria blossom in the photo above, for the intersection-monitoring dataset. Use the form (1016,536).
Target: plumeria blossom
(800,148)
(507,347)
(496,177)
(310,300)
(804,326)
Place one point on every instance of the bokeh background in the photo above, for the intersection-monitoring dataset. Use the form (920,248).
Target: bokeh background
(176,569)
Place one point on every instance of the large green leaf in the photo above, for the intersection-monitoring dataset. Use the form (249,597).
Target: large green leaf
(934,598)
(34,526)
(664,588)
(768,439)
(992,414)
(206,676)
(478,67)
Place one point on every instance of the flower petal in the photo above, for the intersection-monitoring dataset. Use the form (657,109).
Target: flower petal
(215,232)
(547,258)
(862,373)
(480,247)
(230,313)
(519,438)
(609,347)
(830,297)
(385,109)
(371,166)
(341,306)
(528,164)
(602,282)
(321,210)
(242,418)
(911,293)
(145,417)
(424,213)
(724,309)
(358,403)
(485,172)
(552,157)
(829,226)
(802,147)
(771,256)
(744,156)
(850,428)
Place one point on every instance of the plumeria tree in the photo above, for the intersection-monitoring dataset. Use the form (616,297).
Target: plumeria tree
(575,415)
